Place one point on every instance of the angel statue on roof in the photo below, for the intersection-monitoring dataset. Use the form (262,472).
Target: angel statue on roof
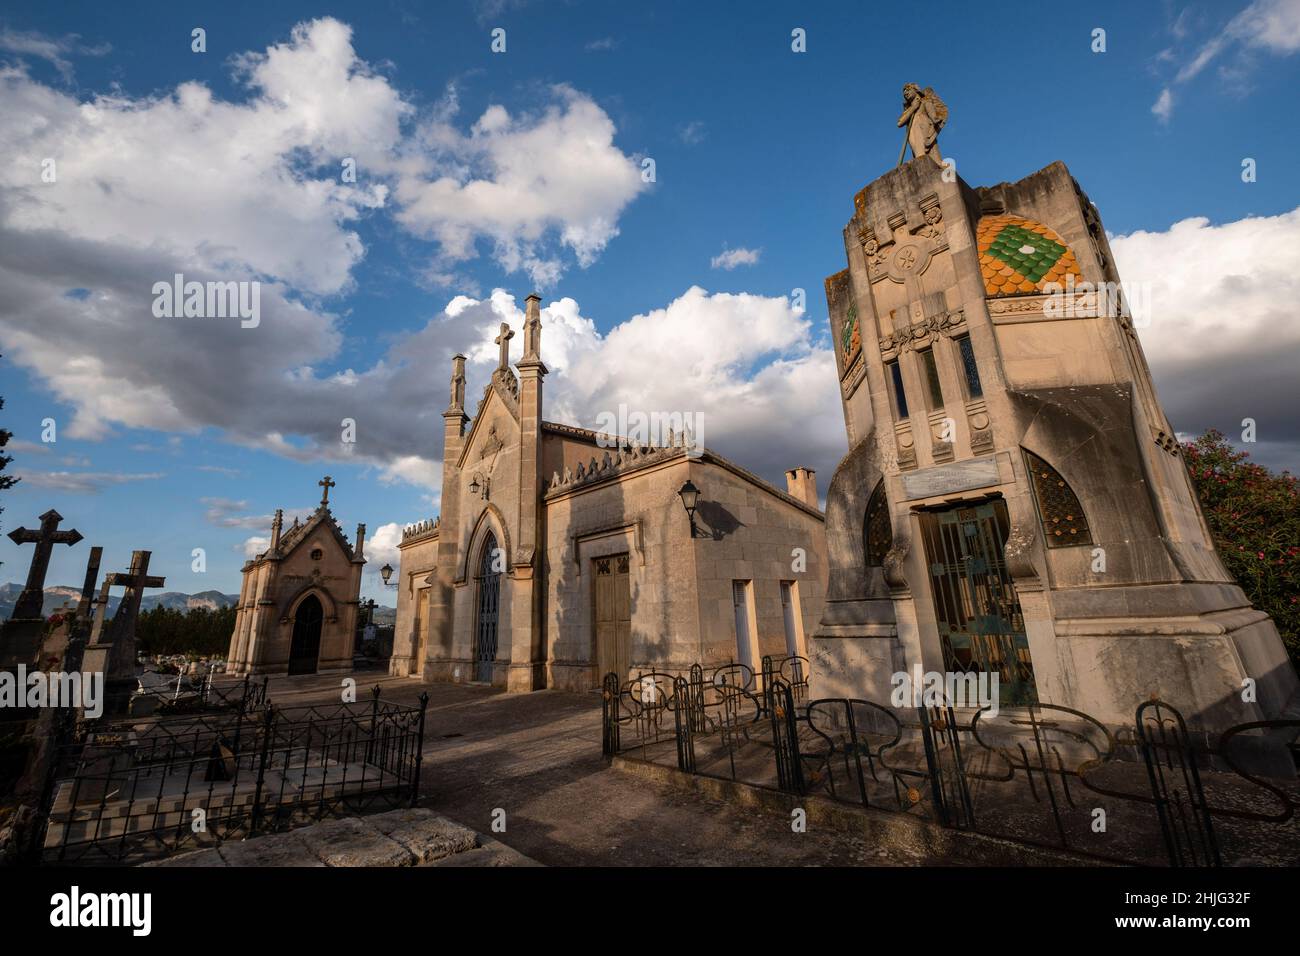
(924,115)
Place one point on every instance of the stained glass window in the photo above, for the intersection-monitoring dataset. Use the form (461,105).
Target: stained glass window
(973,387)
(877,532)
(1058,506)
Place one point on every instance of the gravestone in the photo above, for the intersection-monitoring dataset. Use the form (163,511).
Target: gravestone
(20,638)
(112,647)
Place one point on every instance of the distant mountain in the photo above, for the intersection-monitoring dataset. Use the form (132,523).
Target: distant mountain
(58,596)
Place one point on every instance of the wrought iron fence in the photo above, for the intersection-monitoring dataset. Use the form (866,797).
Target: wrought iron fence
(190,696)
(131,791)
(1038,774)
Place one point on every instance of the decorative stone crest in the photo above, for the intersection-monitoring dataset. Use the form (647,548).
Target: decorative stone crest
(920,334)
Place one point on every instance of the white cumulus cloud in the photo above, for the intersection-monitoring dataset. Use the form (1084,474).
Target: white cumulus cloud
(731,258)
(1220,330)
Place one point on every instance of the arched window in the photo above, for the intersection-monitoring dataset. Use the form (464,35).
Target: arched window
(1058,506)
(877,532)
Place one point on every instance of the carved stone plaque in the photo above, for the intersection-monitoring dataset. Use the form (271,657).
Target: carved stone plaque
(948,479)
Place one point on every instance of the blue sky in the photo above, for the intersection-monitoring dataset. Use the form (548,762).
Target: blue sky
(518,171)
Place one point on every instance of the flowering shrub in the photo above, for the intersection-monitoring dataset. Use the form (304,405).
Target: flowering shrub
(1254,516)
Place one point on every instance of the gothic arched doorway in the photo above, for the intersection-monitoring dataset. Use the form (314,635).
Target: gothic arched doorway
(304,651)
(489,603)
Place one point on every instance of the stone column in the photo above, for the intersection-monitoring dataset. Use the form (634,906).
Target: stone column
(442,613)
(527,641)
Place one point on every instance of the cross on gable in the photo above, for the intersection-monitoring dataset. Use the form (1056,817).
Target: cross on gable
(327,483)
(30,602)
(503,340)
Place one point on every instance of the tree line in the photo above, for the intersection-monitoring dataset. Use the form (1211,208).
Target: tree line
(199,631)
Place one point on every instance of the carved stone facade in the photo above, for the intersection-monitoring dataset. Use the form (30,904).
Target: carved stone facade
(299,599)
(974,342)
(506,585)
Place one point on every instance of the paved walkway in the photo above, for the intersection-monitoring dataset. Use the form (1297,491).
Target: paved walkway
(537,757)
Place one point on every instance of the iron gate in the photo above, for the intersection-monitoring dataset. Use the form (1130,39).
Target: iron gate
(981,627)
(489,603)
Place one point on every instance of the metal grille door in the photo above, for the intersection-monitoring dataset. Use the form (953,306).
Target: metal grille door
(489,602)
(981,627)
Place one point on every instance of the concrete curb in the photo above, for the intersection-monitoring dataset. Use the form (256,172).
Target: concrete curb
(890,831)
(409,837)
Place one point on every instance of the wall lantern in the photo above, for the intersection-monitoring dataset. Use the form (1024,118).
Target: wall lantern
(690,495)
(386,572)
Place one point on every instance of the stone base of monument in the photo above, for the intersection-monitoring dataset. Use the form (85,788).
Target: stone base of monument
(1220,668)
(20,641)
(94,813)
(409,837)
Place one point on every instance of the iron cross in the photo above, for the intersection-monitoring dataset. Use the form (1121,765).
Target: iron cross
(503,340)
(327,483)
(31,600)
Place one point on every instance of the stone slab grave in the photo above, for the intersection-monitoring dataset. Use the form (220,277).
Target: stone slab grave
(414,836)
(164,800)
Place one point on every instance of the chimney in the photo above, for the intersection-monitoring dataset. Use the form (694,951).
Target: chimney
(533,328)
(801,483)
(275,531)
(361,542)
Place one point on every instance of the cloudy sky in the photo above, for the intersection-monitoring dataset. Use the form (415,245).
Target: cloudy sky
(481,176)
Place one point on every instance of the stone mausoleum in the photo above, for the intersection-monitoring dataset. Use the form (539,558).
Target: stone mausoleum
(299,599)
(1014,499)
(562,555)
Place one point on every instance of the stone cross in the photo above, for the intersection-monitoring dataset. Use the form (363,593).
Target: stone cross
(32,599)
(121,661)
(327,483)
(101,609)
(504,341)
(88,587)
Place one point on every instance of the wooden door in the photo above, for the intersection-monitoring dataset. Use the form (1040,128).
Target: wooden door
(613,616)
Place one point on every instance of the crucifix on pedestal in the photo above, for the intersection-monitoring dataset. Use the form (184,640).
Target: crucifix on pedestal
(30,602)
(327,483)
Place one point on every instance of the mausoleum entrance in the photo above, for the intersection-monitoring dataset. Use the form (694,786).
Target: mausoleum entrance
(304,651)
(489,605)
(613,612)
(981,627)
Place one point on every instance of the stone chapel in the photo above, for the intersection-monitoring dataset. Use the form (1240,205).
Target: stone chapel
(1014,499)
(299,599)
(562,554)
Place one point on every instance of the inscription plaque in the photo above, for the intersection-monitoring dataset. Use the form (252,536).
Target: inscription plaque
(948,479)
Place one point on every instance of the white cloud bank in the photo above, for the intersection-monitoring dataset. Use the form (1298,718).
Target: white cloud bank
(1222,338)
(184,182)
